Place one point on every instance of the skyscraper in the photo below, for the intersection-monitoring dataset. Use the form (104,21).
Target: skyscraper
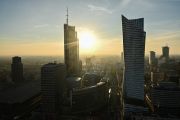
(17,69)
(134,46)
(71,49)
(165,52)
(122,58)
(52,89)
(152,58)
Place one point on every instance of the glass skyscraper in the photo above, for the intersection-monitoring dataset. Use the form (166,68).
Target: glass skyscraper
(134,47)
(71,50)
(17,69)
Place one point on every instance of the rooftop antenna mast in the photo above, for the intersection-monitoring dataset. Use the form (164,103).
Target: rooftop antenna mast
(67,16)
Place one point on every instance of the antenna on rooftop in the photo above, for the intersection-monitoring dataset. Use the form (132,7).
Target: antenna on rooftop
(67,16)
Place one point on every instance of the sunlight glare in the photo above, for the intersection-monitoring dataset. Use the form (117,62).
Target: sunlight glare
(87,40)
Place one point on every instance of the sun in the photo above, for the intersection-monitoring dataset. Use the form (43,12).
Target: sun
(87,40)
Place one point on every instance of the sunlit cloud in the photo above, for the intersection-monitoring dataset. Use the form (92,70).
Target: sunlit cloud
(99,8)
(173,36)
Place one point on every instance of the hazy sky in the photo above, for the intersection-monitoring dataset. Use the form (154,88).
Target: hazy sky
(35,27)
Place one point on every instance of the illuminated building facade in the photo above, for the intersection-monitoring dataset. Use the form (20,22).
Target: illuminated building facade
(71,50)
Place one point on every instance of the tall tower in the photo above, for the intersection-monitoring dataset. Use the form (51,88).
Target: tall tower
(71,49)
(52,89)
(122,58)
(165,52)
(17,69)
(152,58)
(134,46)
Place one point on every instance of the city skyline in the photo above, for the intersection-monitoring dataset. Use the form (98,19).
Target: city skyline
(36,27)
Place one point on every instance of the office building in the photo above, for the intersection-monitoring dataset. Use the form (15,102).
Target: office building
(122,58)
(17,69)
(152,58)
(52,89)
(134,46)
(165,52)
(71,50)
(165,98)
(157,76)
(89,99)
(80,67)
(153,61)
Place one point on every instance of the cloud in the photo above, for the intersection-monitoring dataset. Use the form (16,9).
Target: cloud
(99,8)
(167,36)
(124,3)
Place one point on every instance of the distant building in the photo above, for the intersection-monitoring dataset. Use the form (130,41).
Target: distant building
(165,52)
(52,89)
(152,58)
(80,67)
(71,50)
(164,58)
(134,47)
(172,76)
(156,77)
(153,61)
(122,58)
(17,69)
(91,78)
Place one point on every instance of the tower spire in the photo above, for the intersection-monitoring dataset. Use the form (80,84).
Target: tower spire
(67,16)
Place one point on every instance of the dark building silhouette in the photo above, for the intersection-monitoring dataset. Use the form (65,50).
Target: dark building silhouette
(20,99)
(153,61)
(17,69)
(53,86)
(165,52)
(134,47)
(152,58)
(80,67)
(165,98)
(71,50)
